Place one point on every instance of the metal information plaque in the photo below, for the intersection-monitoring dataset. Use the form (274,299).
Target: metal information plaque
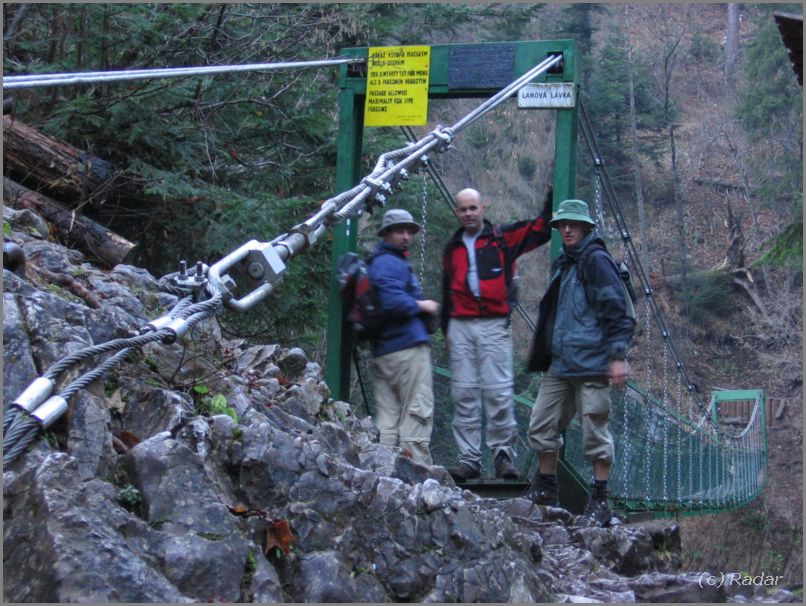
(483,66)
(557,95)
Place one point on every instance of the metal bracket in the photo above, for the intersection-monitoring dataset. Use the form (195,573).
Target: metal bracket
(258,263)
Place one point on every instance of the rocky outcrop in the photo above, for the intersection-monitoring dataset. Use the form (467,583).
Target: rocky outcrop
(210,470)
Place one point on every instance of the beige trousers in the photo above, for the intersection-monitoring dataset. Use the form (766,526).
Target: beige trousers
(558,401)
(404,400)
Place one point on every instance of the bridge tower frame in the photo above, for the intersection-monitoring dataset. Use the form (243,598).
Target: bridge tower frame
(492,66)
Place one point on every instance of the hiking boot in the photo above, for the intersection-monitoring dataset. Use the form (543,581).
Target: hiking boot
(598,510)
(543,493)
(504,467)
(463,472)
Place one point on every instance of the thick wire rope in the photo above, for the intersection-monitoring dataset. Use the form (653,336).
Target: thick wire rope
(65,79)
(20,428)
(21,436)
(56,369)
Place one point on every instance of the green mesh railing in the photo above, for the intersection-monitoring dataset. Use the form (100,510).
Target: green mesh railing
(665,462)
(669,459)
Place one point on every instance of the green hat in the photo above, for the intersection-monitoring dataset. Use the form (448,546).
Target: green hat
(572,210)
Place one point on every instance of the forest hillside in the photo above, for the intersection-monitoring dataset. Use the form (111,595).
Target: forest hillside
(696,110)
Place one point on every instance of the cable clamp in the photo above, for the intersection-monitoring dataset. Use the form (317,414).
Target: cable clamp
(33,395)
(445,135)
(51,410)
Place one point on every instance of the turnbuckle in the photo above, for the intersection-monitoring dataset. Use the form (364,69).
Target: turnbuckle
(258,263)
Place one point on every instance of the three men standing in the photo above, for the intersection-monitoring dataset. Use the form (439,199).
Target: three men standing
(477,289)
(583,333)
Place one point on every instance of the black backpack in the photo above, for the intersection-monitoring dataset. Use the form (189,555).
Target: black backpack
(630,298)
(359,296)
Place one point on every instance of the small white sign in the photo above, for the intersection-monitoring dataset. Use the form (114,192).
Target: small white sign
(547,95)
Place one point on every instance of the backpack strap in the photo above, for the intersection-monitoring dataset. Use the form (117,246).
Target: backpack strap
(582,261)
(502,245)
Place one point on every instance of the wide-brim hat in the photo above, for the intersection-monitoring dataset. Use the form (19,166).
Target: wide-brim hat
(395,217)
(572,210)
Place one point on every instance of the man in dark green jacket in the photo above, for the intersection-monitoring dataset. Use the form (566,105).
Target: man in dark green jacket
(584,331)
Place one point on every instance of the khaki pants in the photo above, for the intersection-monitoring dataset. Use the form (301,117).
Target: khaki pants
(482,375)
(404,400)
(558,401)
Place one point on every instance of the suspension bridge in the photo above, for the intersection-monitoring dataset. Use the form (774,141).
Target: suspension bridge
(676,453)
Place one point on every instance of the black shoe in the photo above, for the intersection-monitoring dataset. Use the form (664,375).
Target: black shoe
(543,493)
(598,510)
(464,471)
(504,467)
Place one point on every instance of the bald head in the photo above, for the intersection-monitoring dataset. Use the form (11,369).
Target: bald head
(470,210)
(468,194)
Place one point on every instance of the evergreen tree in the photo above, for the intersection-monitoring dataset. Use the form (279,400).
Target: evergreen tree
(771,112)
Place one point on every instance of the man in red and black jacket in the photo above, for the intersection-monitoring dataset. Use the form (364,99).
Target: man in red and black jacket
(477,291)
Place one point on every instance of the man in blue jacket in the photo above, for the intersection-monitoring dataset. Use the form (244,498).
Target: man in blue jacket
(581,342)
(404,398)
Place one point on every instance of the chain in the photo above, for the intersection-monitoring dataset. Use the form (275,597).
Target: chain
(665,402)
(678,441)
(649,357)
(690,453)
(625,476)
(597,197)
(650,439)
(425,228)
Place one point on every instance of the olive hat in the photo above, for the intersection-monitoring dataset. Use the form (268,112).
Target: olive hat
(395,217)
(572,210)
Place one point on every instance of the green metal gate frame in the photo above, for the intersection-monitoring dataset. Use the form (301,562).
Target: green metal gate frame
(352,90)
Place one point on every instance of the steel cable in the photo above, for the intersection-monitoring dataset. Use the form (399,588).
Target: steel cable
(27,434)
(24,431)
(39,80)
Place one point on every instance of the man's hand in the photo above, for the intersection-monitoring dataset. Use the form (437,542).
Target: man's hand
(547,205)
(619,373)
(428,306)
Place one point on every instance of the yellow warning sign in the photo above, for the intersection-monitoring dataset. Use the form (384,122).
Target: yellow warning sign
(397,86)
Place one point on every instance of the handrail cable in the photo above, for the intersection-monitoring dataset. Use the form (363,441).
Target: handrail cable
(36,80)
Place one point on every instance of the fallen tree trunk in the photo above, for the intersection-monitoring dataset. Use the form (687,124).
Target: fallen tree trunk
(63,171)
(73,228)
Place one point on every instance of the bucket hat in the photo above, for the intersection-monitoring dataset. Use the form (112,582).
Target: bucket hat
(572,210)
(395,217)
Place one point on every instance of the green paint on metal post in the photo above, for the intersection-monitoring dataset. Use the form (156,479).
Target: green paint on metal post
(339,343)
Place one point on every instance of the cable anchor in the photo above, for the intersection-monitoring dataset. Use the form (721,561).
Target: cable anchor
(257,263)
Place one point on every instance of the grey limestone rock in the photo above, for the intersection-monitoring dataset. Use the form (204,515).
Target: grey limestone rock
(142,499)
